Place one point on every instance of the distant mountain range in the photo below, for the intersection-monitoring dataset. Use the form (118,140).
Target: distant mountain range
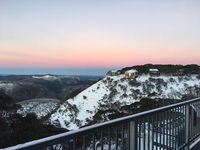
(25,87)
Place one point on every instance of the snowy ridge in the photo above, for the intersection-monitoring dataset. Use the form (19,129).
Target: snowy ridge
(85,103)
(45,77)
(76,112)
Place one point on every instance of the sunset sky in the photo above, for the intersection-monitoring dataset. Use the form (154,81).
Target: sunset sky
(98,33)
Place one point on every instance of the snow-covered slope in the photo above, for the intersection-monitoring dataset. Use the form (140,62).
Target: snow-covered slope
(6,86)
(40,107)
(76,112)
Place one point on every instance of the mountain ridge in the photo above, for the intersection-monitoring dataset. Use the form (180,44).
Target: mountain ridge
(119,94)
(117,91)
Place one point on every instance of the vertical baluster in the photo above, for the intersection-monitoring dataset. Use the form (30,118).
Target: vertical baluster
(93,139)
(163,128)
(172,117)
(156,131)
(84,145)
(123,137)
(148,122)
(152,139)
(178,127)
(182,124)
(198,125)
(109,138)
(179,124)
(133,135)
(167,128)
(187,125)
(129,140)
(139,135)
(160,130)
(128,135)
(173,127)
(170,125)
(144,130)
(74,143)
(117,137)
(101,139)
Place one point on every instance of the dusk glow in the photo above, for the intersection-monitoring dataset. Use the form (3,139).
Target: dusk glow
(91,34)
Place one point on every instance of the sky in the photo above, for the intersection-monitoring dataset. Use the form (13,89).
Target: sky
(97,34)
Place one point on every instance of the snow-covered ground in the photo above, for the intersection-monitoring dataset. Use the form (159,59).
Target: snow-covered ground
(40,108)
(75,112)
(6,86)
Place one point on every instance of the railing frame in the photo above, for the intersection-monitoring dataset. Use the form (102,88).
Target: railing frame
(133,143)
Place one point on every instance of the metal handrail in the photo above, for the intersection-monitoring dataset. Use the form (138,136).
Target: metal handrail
(87,129)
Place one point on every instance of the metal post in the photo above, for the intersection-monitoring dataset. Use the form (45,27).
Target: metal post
(187,126)
(133,134)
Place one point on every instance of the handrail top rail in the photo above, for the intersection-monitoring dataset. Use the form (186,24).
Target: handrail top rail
(101,125)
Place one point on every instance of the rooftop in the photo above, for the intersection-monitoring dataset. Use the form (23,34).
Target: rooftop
(132,71)
(153,70)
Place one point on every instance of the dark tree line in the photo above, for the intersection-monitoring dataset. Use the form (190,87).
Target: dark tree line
(16,129)
(166,69)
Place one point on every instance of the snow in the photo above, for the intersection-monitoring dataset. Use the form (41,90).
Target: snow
(45,77)
(83,104)
(87,103)
(114,71)
(39,108)
(6,86)
(143,78)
